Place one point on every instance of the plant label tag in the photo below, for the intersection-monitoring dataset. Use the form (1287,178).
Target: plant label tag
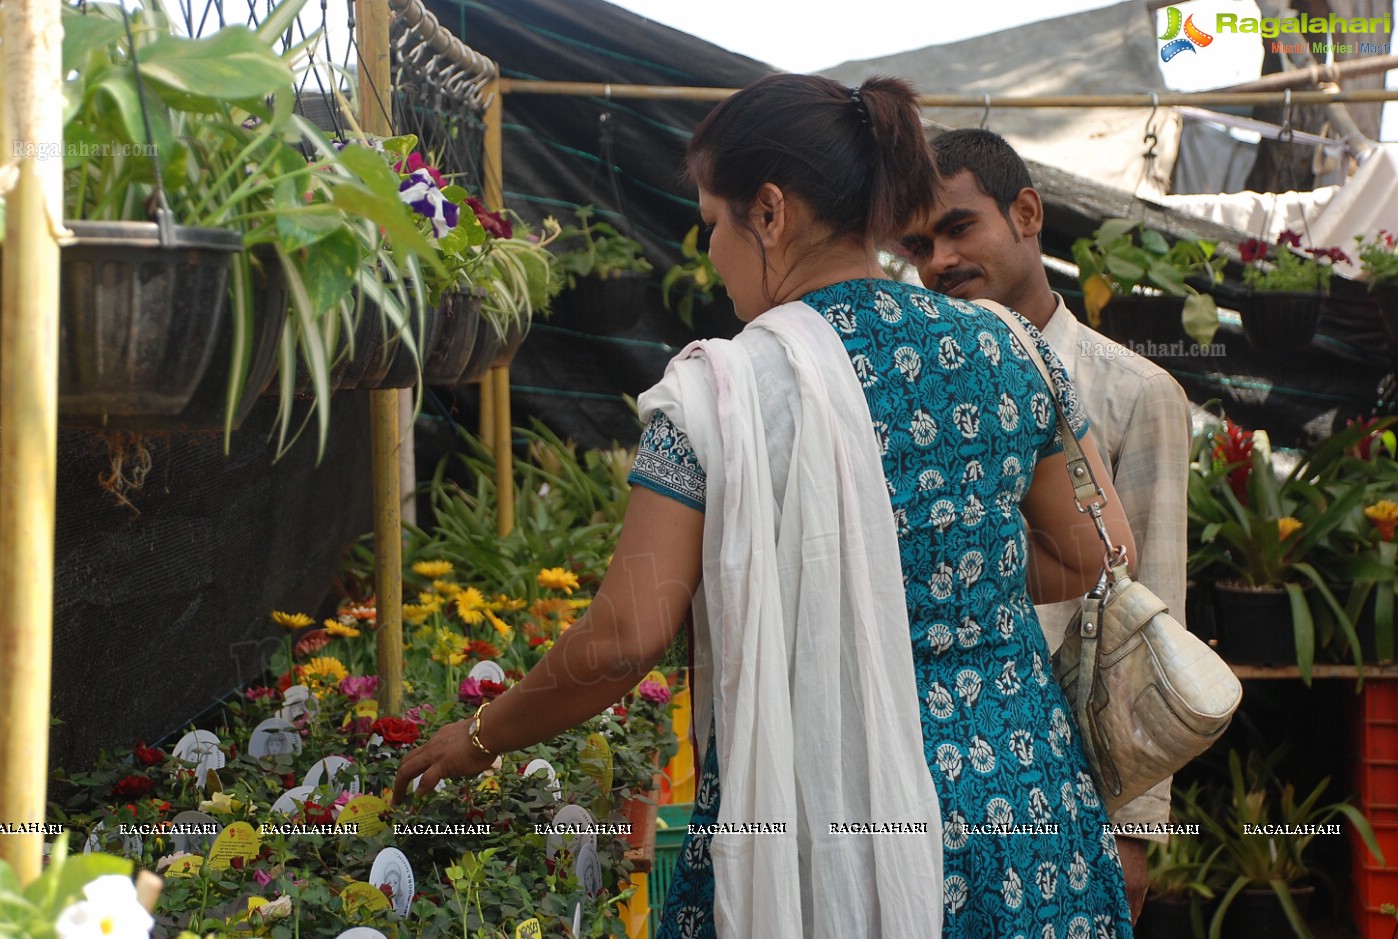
(412,786)
(289,802)
(185,866)
(364,811)
(391,869)
(361,932)
(194,832)
(127,845)
(588,868)
(529,929)
(274,736)
(572,828)
(358,896)
(297,701)
(544,766)
(487,671)
(237,840)
(200,747)
(325,772)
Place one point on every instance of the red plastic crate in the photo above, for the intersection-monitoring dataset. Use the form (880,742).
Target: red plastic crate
(1379,699)
(1373,887)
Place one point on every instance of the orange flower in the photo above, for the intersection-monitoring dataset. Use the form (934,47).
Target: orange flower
(1384,515)
(1286,526)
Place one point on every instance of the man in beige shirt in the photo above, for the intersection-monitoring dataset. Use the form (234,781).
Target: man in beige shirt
(983,241)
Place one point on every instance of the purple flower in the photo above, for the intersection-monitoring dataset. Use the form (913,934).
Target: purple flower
(654,692)
(422,195)
(359,687)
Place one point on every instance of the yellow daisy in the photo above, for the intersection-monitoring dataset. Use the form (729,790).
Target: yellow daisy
(336,628)
(430,599)
(449,649)
(446,588)
(471,606)
(507,604)
(501,627)
(416,613)
(556,578)
(291,620)
(1287,525)
(326,669)
(581,603)
(432,568)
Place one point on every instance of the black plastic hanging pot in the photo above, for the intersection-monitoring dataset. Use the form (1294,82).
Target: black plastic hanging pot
(1281,319)
(458,321)
(138,320)
(401,368)
(602,305)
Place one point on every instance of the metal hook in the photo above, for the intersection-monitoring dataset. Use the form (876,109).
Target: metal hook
(1285,134)
(1150,139)
(985,115)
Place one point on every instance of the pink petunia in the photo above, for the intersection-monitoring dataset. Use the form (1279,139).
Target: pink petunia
(654,692)
(359,687)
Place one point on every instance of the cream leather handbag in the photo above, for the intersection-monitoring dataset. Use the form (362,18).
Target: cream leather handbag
(1147,695)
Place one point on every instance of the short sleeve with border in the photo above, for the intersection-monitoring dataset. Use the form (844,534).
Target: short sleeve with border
(666,464)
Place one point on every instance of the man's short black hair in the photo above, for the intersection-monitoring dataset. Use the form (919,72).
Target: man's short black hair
(998,169)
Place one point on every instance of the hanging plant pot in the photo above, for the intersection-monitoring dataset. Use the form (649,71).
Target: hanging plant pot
(1386,296)
(138,321)
(484,348)
(1254,624)
(509,345)
(602,305)
(1279,319)
(1170,917)
(1257,912)
(458,320)
(206,408)
(1145,323)
(400,368)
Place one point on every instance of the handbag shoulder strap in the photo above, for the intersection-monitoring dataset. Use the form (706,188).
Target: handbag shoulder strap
(1086,492)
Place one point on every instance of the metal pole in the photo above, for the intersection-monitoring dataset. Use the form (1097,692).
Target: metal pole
(32,117)
(497,380)
(371,24)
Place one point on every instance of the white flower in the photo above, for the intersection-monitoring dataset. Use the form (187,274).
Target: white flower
(1039,809)
(924,428)
(907,361)
(110,910)
(1009,412)
(842,318)
(1011,466)
(954,832)
(939,637)
(1022,746)
(949,354)
(974,472)
(954,888)
(990,348)
(981,754)
(1009,562)
(420,193)
(888,307)
(941,584)
(1077,872)
(968,685)
(1012,889)
(928,480)
(968,634)
(940,701)
(1087,791)
(280,908)
(1079,928)
(967,418)
(864,370)
(924,304)
(949,760)
(942,515)
(974,511)
(1004,622)
(1069,799)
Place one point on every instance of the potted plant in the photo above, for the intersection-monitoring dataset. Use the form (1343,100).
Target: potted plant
(1265,831)
(1378,264)
(1262,531)
(695,280)
(522,280)
(1123,256)
(1286,285)
(204,126)
(606,273)
(1183,877)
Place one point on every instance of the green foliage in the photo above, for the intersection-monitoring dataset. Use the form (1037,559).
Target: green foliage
(32,911)
(1123,255)
(599,250)
(523,277)
(696,278)
(1378,257)
(1289,271)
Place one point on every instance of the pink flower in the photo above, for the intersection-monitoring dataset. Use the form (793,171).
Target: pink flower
(343,798)
(262,877)
(654,692)
(259,692)
(495,224)
(414,713)
(470,692)
(359,687)
(415,163)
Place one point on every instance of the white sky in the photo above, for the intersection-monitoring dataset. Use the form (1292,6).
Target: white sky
(802,36)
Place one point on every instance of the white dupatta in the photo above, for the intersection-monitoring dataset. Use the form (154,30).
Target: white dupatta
(802,643)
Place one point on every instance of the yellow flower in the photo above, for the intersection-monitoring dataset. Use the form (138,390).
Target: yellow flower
(432,568)
(581,603)
(1285,526)
(501,627)
(291,620)
(336,628)
(506,604)
(446,588)
(220,803)
(416,613)
(556,578)
(1384,515)
(326,669)
(450,648)
(433,601)
(423,632)
(471,606)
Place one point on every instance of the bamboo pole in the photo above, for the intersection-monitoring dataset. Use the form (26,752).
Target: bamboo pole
(1000,102)
(371,25)
(497,402)
(1316,74)
(31,117)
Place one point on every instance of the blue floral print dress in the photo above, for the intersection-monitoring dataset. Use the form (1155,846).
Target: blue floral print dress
(961,417)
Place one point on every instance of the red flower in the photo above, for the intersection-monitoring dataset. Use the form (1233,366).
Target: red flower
(133,787)
(491,689)
(259,692)
(415,163)
(288,780)
(387,891)
(1289,237)
(1234,446)
(315,814)
(495,224)
(149,756)
(1335,255)
(1254,249)
(396,731)
(314,640)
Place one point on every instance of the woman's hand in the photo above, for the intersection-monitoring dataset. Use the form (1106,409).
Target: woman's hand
(449,753)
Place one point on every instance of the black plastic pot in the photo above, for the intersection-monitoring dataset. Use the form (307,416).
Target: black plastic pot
(602,305)
(1256,913)
(401,369)
(138,322)
(1146,324)
(458,321)
(1254,624)
(485,346)
(1170,917)
(1281,319)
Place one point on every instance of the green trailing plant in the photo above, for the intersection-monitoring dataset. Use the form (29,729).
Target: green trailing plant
(597,249)
(1123,256)
(522,277)
(695,279)
(1265,832)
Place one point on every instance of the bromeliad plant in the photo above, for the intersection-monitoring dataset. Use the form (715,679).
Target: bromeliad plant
(1123,255)
(1280,268)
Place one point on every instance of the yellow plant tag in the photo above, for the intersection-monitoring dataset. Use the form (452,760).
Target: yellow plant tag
(237,840)
(364,811)
(529,929)
(359,896)
(185,866)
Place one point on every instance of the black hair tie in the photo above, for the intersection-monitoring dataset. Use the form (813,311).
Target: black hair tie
(858,100)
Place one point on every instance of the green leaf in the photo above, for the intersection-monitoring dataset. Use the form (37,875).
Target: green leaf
(279,21)
(1124,270)
(231,65)
(1154,242)
(1167,278)
(1200,318)
(1114,228)
(83,34)
(329,269)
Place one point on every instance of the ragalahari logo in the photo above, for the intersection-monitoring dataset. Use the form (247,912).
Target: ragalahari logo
(1174,42)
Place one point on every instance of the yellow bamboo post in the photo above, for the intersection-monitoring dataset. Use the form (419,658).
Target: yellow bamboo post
(32,120)
(371,24)
(497,380)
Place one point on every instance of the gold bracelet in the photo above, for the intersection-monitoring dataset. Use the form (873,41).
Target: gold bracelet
(476,731)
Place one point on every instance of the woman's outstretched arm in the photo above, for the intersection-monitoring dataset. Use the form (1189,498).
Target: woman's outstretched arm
(632,621)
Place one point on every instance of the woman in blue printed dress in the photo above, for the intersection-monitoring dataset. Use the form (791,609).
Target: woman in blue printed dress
(799,180)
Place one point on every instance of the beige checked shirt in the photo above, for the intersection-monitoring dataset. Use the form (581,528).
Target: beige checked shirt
(1140,423)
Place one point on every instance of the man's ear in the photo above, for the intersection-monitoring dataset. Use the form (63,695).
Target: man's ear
(770,214)
(1027,211)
